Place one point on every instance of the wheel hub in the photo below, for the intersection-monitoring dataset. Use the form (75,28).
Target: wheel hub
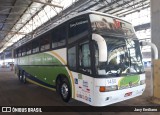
(20,77)
(64,90)
(24,78)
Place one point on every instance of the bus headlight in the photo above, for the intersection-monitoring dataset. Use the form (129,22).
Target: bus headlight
(142,82)
(108,88)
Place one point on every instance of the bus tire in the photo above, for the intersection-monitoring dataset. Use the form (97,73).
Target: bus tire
(58,83)
(24,78)
(20,75)
(65,90)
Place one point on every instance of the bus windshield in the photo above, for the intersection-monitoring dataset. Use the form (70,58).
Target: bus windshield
(124,57)
(123,49)
(111,26)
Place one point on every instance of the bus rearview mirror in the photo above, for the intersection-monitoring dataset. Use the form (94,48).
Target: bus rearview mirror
(102,47)
(153,46)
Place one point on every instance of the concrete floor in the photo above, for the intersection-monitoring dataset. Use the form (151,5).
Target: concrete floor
(14,93)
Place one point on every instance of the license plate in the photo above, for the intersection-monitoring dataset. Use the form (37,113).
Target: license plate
(128,94)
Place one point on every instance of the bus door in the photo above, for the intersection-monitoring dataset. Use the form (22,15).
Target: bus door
(79,56)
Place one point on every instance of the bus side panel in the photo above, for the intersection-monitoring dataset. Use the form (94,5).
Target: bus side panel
(46,74)
(46,66)
(84,89)
(123,83)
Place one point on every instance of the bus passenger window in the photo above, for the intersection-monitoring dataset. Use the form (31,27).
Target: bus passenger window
(59,36)
(72,57)
(45,43)
(19,52)
(29,47)
(84,58)
(35,46)
(23,50)
(15,53)
(77,29)
(85,55)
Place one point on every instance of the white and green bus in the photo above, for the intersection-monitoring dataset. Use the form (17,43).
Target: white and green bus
(91,57)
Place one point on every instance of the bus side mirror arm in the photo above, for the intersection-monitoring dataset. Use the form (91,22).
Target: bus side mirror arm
(102,47)
(153,46)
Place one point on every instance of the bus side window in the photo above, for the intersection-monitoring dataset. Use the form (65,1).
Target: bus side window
(45,42)
(35,46)
(84,58)
(77,29)
(16,51)
(72,57)
(19,52)
(23,50)
(59,36)
(29,47)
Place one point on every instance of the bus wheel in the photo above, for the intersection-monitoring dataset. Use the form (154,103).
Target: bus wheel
(65,90)
(58,83)
(24,78)
(20,75)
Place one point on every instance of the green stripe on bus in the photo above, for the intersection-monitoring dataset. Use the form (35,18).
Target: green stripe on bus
(126,80)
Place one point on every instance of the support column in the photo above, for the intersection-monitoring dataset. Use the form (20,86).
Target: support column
(155,38)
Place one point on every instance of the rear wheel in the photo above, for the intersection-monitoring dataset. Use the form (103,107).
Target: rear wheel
(20,75)
(65,90)
(58,83)
(24,78)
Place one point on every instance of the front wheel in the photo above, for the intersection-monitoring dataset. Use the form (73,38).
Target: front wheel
(65,90)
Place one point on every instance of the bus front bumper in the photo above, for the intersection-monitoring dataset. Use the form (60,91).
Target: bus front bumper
(107,98)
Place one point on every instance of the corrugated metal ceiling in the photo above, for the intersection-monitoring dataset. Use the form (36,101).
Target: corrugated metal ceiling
(12,11)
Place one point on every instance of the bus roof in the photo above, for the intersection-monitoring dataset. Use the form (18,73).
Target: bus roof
(98,13)
(83,13)
(69,18)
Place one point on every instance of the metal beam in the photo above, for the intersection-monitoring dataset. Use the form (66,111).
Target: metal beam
(20,6)
(17,13)
(136,5)
(108,5)
(4,10)
(94,4)
(132,11)
(142,27)
(46,3)
(119,6)
(13,32)
(22,26)
(10,23)
(6,18)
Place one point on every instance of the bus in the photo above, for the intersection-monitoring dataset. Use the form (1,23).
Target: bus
(91,57)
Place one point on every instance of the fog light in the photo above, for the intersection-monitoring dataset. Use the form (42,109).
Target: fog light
(107,98)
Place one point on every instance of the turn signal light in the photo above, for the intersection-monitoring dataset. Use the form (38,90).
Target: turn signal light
(102,89)
(108,88)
